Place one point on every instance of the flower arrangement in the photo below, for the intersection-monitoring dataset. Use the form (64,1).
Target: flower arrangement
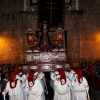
(45,47)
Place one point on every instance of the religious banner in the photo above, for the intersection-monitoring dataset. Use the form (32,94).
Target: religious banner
(52,11)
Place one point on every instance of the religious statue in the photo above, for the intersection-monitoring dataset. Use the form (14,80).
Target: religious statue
(44,38)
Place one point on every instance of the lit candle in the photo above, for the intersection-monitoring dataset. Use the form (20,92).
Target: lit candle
(30,38)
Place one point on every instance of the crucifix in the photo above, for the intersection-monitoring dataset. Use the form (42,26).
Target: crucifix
(51,8)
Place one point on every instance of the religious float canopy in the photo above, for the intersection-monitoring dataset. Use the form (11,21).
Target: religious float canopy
(42,55)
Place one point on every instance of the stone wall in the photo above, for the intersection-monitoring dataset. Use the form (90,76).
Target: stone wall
(83,37)
(83,30)
(14,23)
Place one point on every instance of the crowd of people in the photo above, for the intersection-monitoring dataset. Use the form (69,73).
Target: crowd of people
(67,85)
(91,67)
(91,71)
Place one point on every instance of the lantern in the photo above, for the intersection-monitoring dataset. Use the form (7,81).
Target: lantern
(59,37)
(31,39)
(30,36)
(35,42)
(60,34)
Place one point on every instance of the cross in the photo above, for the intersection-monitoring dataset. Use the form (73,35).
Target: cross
(51,8)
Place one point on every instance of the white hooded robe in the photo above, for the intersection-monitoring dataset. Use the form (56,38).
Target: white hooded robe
(70,76)
(80,90)
(14,93)
(62,92)
(36,92)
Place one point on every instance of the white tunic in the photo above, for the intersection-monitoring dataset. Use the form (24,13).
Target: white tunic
(80,90)
(67,74)
(62,92)
(24,79)
(70,75)
(41,77)
(36,92)
(15,93)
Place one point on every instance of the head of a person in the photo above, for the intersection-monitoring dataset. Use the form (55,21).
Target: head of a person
(58,77)
(13,81)
(63,79)
(31,78)
(56,73)
(80,76)
(36,75)
(75,75)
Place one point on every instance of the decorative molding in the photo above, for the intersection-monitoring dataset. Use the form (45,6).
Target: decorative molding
(67,65)
(33,67)
(26,12)
(46,66)
(25,67)
(78,12)
(58,66)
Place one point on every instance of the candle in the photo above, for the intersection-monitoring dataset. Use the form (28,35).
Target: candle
(30,38)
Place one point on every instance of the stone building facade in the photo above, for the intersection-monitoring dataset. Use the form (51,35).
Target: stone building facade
(82,27)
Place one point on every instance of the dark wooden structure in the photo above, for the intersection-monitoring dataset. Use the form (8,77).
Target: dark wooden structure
(45,61)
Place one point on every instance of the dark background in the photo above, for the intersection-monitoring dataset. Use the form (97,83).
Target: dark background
(57,14)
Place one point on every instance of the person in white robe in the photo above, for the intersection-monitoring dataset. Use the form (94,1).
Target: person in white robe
(13,88)
(34,89)
(67,73)
(70,76)
(62,86)
(22,77)
(80,86)
(40,76)
(53,78)
(3,86)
